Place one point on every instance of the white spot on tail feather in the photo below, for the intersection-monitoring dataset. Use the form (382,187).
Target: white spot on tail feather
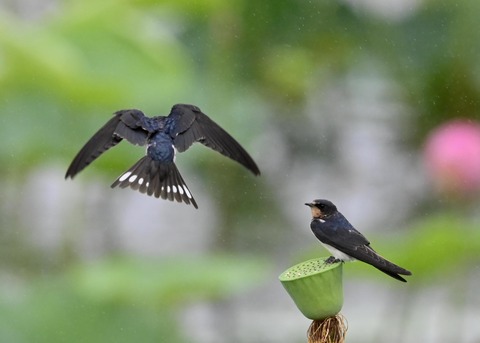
(187,192)
(174,189)
(132,178)
(140,181)
(124,176)
(180,189)
(168,189)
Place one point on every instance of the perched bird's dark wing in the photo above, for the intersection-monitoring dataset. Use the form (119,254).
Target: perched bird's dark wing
(157,179)
(368,255)
(340,235)
(344,237)
(125,124)
(191,125)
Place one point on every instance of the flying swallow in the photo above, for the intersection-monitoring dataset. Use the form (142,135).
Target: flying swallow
(156,173)
(344,242)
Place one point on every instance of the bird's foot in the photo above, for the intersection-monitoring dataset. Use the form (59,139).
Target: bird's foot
(332,260)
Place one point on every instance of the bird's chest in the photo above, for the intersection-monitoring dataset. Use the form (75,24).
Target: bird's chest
(160,148)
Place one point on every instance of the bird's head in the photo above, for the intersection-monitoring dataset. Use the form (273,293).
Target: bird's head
(321,208)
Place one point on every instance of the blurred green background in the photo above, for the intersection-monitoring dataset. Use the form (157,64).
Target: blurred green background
(333,99)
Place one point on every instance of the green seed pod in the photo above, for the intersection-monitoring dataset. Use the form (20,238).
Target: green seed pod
(316,287)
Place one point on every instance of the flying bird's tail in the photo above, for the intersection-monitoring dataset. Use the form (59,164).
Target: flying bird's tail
(156,178)
(371,257)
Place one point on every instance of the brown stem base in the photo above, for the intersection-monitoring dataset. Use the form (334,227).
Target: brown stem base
(328,330)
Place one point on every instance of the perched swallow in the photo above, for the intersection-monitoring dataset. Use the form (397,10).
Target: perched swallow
(345,243)
(156,173)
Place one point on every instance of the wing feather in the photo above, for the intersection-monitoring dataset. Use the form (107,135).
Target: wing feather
(191,125)
(125,124)
(343,236)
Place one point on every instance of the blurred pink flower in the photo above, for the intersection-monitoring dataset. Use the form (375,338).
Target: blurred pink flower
(452,156)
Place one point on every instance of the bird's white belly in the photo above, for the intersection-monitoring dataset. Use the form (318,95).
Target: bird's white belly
(338,254)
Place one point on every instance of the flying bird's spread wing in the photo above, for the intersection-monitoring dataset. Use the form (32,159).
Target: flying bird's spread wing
(131,126)
(126,124)
(191,125)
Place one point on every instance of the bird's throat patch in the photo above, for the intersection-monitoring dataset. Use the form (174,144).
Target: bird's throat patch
(316,213)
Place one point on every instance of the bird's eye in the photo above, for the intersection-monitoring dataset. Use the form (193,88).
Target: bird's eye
(321,206)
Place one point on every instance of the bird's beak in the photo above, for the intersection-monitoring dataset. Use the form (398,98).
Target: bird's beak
(308,204)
